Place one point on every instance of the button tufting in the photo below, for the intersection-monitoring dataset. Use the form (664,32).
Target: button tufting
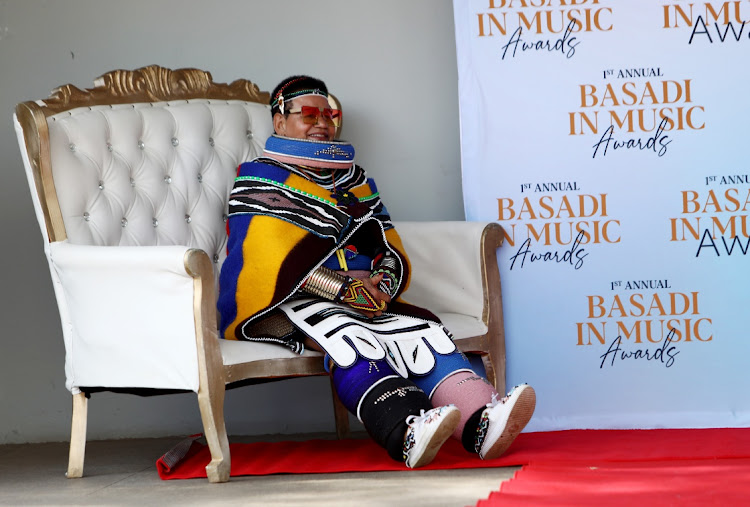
(124,222)
(141,145)
(216,258)
(86,216)
(132,182)
(72,147)
(224,217)
(101,185)
(167,179)
(200,178)
(175,142)
(211,141)
(110,148)
(188,218)
(155,222)
(248,134)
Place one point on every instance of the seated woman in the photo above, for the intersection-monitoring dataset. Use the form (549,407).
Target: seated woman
(313,259)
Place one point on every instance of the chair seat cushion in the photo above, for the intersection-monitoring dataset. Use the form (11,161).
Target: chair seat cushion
(462,326)
(238,352)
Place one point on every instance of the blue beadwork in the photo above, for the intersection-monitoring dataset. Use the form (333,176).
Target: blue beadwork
(324,151)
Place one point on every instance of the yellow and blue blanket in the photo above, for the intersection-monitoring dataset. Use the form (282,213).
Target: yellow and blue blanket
(282,225)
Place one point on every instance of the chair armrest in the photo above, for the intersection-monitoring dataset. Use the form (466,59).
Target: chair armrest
(456,276)
(449,265)
(129,314)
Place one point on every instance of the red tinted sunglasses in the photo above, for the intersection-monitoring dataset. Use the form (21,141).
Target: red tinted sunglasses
(310,115)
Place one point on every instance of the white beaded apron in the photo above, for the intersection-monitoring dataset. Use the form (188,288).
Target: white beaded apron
(407,343)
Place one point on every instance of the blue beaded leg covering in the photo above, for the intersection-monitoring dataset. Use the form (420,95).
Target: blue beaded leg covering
(445,366)
(353,383)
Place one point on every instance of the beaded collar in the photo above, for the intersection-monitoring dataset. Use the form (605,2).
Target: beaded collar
(319,154)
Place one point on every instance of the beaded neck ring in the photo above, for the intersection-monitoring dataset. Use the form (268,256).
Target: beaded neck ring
(315,160)
(318,154)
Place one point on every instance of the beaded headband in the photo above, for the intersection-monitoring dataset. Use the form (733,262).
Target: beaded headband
(280,98)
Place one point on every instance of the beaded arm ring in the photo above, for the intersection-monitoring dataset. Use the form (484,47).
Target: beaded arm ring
(328,284)
(387,265)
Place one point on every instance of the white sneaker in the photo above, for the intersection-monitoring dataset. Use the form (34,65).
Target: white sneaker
(503,420)
(427,432)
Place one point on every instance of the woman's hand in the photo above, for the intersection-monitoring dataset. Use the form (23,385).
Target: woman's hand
(371,285)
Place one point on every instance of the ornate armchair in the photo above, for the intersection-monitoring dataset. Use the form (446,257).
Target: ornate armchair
(130,181)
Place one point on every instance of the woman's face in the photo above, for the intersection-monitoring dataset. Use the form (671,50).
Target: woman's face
(293,126)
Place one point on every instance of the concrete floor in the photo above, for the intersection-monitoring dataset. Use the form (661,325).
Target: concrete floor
(122,472)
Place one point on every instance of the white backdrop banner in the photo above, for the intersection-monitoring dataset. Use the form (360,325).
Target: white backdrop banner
(610,140)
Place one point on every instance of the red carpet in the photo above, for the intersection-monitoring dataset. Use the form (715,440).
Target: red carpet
(570,449)
(723,482)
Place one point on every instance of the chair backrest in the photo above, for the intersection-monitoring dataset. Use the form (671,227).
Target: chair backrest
(146,157)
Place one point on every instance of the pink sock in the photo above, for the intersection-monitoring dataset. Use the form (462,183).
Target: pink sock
(467,391)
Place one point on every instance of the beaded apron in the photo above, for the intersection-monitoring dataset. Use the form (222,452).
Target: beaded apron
(407,343)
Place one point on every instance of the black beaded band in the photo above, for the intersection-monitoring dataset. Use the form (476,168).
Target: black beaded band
(385,409)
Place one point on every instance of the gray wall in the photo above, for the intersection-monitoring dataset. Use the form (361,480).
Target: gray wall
(392,63)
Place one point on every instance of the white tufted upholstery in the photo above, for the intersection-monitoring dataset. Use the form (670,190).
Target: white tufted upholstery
(153,174)
(456,295)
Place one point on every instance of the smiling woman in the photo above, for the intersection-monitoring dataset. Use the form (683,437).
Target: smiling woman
(303,109)
(313,260)
(310,118)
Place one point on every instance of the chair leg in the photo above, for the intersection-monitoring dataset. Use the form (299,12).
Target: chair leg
(211,403)
(489,370)
(498,381)
(77,436)
(211,384)
(340,415)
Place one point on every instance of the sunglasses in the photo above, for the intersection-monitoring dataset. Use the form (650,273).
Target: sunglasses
(310,115)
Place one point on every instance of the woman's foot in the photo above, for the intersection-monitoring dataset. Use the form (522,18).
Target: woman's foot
(427,432)
(503,420)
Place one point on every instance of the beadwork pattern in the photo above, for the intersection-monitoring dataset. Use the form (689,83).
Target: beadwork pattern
(484,421)
(356,296)
(401,392)
(413,420)
(334,151)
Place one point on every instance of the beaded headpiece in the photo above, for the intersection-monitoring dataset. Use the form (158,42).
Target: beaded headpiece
(281,97)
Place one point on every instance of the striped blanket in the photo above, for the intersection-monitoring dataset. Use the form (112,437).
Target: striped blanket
(282,225)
